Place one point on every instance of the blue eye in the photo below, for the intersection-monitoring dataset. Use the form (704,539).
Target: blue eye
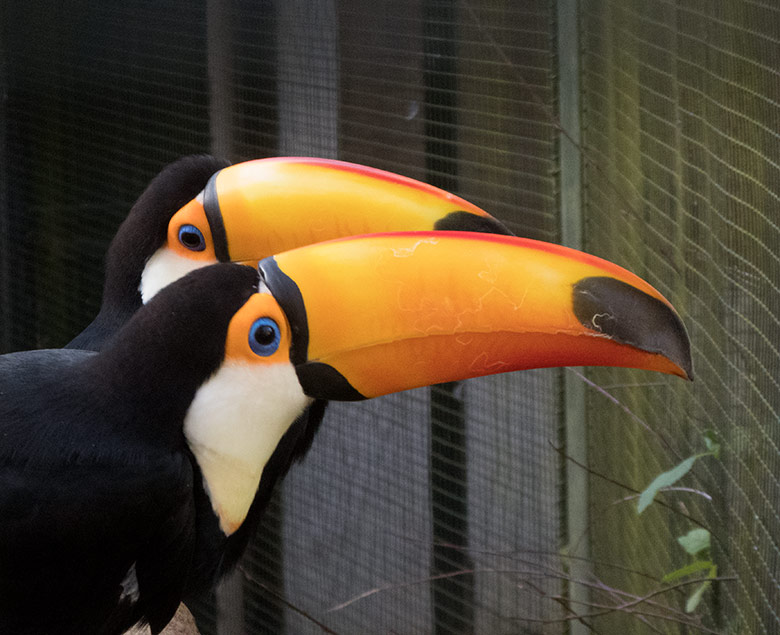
(264,337)
(192,238)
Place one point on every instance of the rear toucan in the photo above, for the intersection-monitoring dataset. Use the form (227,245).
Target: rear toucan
(132,477)
(201,210)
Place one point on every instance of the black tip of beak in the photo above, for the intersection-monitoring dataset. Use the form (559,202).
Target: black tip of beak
(632,317)
(467,222)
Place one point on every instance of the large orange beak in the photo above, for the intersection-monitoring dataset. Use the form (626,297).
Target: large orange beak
(378,314)
(267,206)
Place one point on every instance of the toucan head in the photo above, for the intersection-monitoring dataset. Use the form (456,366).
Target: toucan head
(361,317)
(251,210)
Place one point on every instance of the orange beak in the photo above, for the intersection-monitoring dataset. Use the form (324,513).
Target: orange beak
(383,313)
(254,209)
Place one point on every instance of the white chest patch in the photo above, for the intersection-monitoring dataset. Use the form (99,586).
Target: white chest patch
(233,426)
(164,267)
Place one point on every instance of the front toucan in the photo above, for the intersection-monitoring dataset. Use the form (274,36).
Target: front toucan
(361,317)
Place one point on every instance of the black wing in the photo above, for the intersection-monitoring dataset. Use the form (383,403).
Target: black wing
(95,531)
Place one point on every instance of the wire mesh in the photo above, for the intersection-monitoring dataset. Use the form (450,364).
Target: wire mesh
(98,98)
(406,97)
(681,108)
(681,114)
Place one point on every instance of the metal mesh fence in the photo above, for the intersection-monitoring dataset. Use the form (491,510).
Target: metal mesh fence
(445,511)
(405,540)
(681,115)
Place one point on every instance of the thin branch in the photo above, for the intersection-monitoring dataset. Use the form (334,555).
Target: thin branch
(606,478)
(441,576)
(563,602)
(629,604)
(627,410)
(288,604)
(671,488)
(685,622)
(615,595)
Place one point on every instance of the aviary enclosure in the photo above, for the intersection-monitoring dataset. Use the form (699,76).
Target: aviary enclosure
(643,131)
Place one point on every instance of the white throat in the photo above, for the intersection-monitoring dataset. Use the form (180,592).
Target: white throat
(233,426)
(164,267)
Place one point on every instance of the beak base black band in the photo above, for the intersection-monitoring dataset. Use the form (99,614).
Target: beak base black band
(289,297)
(325,382)
(214,217)
(317,380)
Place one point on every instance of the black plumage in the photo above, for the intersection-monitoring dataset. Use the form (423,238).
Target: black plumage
(139,236)
(99,493)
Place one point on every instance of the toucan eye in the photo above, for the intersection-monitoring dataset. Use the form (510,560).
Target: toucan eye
(192,238)
(264,337)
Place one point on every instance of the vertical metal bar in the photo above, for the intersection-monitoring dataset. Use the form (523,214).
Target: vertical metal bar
(575,431)
(308,77)
(230,605)
(5,294)
(219,34)
(452,597)
(308,122)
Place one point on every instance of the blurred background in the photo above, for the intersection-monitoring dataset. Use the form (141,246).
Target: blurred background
(643,131)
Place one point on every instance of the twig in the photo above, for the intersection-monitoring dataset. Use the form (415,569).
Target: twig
(288,604)
(627,410)
(441,576)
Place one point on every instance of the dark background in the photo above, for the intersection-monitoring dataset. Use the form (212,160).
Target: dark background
(455,505)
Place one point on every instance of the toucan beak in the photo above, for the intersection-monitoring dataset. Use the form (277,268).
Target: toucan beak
(267,206)
(378,314)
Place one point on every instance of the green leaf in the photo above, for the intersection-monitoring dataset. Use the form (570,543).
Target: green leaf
(664,480)
(695,541)
(690,569)
(695,599)
(711,441)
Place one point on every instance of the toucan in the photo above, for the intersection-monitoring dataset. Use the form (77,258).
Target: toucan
(201,210)
(133,476)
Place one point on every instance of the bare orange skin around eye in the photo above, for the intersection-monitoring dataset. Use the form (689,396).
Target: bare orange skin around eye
(191,214)
(237,346)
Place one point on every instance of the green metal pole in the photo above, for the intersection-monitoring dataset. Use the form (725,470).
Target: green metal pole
(5,293)
(229,593)
(574,421)
(452,598)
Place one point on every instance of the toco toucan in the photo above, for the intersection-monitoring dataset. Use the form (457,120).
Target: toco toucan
(201,210)
(134,476)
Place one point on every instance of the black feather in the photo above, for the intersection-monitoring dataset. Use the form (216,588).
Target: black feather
(141,234)
(95,474)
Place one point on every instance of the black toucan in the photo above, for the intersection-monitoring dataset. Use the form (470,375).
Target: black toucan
(201,210)
(133,476)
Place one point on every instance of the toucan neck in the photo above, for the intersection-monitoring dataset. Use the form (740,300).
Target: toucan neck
(144,231)
(173,344)
(121,293)
(132,247)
